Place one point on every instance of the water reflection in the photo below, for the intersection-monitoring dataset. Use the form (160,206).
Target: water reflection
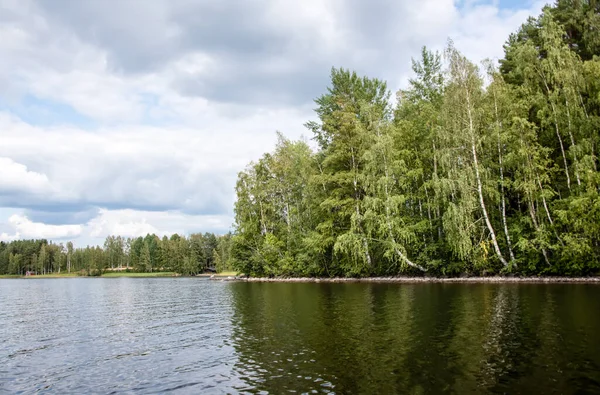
(422,338)
(198,336)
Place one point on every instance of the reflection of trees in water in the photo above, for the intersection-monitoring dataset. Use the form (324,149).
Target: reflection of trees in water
(266,335)
(568,353)
(501,336)
(386,338)
(532,344)
(340,337)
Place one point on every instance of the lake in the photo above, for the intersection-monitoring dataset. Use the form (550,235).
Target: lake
(187,335)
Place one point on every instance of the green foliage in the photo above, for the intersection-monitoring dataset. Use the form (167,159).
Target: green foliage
(188,256)
(462,177)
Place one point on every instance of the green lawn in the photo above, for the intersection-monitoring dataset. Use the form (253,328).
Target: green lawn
(52,275)
(116,274)
(226,274)
(222,274)
(132,274)
(58,275)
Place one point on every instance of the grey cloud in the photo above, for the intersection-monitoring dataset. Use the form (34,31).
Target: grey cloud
(241,37)
(135,33)
(73,211)
(150,183)
(61,214)
(79,211)
(142,36)
(227,27)
(253,85)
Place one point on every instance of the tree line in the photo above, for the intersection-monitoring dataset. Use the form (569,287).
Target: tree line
(474,170)
(185,255)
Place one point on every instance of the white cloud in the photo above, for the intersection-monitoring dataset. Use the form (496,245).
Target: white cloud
(16,178)
(482,29)
(97,95)
(127,223)
(313,24)
(8,238)
(123,222)
(135,223)
(140,166)
(26,229)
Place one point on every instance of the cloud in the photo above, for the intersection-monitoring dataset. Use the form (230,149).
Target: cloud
(271,53)
(482,29)
(140,167)
(134,223)
(26,229)
(16,178)
(8,238)
(134,116)
(123,222)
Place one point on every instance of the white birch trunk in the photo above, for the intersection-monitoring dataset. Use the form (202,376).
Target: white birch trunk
(479,185)
(358,215)
(504,222)
(562,148)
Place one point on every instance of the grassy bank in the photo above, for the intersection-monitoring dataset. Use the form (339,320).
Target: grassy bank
(226,274)
(235,276)
(83,274)
(57,275)
(115,274)
(134,274)
(222,274)
(52,275)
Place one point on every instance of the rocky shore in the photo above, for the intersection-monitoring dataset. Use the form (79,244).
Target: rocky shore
(495,279)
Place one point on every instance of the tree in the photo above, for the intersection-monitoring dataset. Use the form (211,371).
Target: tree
(341,137)
(463,122)
(145,262)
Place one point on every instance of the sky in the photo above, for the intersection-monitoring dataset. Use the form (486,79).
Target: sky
(129,117)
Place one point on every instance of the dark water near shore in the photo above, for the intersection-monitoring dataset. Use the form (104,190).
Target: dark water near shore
(199,336)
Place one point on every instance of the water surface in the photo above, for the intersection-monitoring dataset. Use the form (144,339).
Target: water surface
(151,335)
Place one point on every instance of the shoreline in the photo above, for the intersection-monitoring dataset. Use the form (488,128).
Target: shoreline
(119,274)
(379,280)
(414,280)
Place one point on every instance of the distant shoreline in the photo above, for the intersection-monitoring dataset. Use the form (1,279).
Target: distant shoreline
(413,280)
(113,274)
(382,280)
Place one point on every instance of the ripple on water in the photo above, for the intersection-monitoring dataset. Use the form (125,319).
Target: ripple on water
(198,336)
(88,335)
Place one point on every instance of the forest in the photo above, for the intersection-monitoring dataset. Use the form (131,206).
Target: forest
(472,170)
(185,255)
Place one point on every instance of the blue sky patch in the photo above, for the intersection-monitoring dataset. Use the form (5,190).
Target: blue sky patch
(46,112)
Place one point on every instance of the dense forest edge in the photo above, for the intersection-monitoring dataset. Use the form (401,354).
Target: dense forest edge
(472,171)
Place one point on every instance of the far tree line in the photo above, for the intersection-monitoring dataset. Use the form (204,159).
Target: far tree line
(185,255)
